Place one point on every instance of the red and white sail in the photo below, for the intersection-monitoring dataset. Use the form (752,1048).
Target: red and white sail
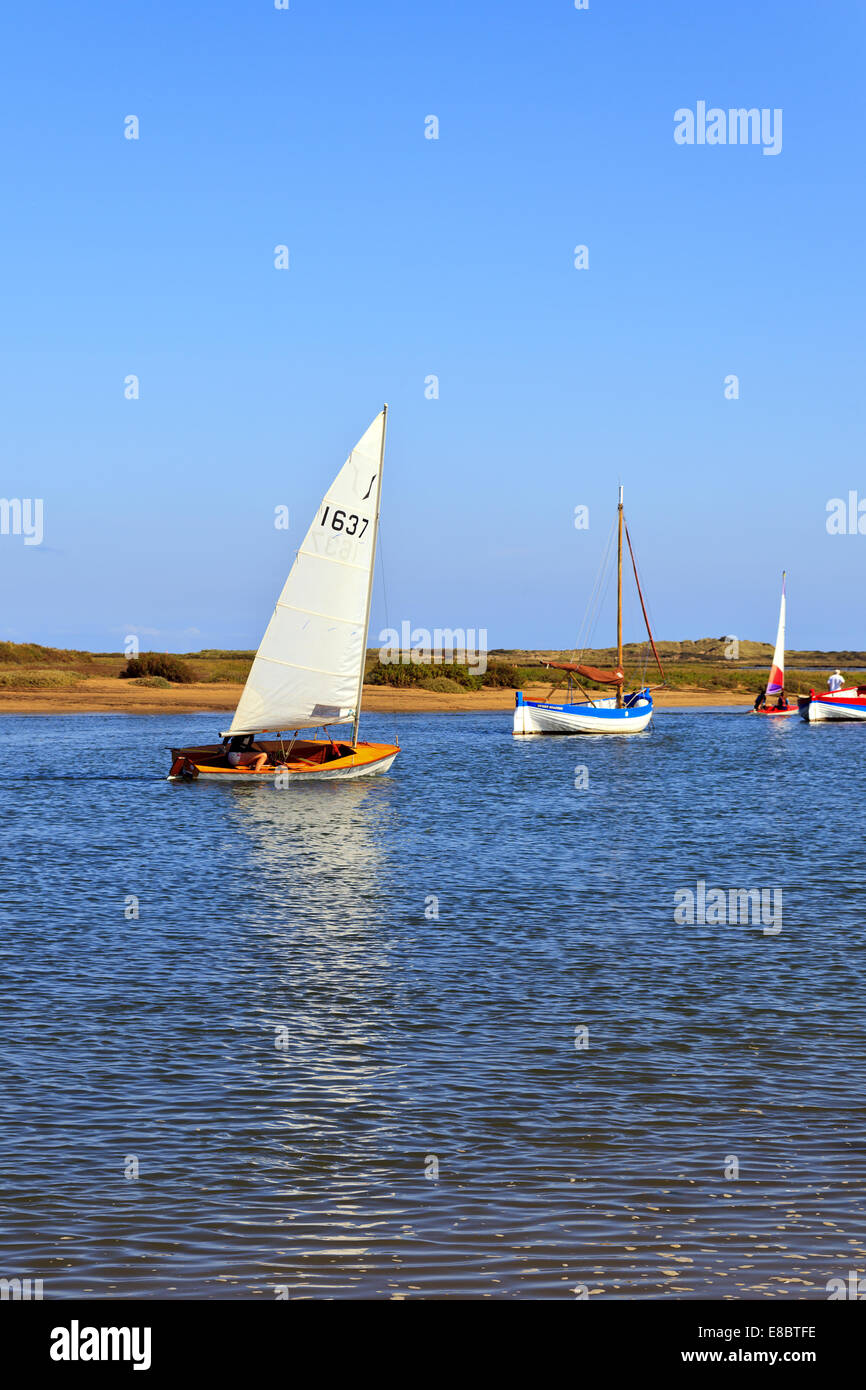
(776,682)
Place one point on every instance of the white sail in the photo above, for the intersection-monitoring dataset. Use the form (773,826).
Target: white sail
(309,667)
(776,681)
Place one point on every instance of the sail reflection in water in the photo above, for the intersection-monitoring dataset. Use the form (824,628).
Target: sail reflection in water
(319,853)
(334,977)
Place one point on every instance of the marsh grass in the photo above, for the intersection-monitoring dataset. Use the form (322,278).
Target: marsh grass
(170,668)
(41,679)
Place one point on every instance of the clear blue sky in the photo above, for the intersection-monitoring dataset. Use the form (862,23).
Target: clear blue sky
(412,257)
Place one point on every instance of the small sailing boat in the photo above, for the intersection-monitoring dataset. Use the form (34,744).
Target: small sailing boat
(308,672)
(776,680)
(615,714)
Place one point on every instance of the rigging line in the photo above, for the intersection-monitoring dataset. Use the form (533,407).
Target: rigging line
(596,597)
(591,609)
(588,635)
(603,589)
(385,606)
(643,605)
(602,600)
(647,643)
(640,657)
(602,583)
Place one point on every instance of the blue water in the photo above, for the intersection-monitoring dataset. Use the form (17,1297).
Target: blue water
(287,1041)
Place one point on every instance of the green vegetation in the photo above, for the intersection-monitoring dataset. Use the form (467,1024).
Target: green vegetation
(712,651)
(403,676)
(692,666)
(171,668)
(214,654)
(234,674)
(154,682)
(698,677)
(29,654)
(719,676)
(208,666)
(500,673)
(442,684)
(42,679)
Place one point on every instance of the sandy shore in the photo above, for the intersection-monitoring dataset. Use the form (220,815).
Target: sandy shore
(111,695)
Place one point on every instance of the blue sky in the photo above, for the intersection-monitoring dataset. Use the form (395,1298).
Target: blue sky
(411,257)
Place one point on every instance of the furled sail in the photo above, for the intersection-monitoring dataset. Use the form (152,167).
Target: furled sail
(590,673)
(308,670)
(776,683)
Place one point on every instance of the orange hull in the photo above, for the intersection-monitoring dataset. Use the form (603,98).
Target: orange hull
(301,759)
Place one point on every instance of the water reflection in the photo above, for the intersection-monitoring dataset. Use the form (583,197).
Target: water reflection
(405,1035)
(319,862)
(329,977)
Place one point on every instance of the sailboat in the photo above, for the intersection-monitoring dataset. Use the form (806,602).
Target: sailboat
(615,714)
(776,679)
(308,673)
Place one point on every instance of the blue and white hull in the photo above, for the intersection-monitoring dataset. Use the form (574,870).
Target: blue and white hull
(598,717)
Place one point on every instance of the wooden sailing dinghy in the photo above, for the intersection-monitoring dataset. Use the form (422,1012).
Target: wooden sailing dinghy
(308,673)
(616,714)
(776,679)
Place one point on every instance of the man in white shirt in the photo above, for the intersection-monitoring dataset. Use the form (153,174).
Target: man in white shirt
(835,682)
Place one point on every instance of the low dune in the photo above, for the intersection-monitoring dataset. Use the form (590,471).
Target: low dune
(103,695)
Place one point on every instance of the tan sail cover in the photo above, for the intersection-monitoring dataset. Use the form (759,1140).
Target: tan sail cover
(308,668)
(591,673)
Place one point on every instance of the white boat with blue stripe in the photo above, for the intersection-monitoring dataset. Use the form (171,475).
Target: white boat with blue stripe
(585,717)
(594,714)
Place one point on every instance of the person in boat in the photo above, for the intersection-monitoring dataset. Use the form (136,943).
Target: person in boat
(242,751)
(835,682)
(759,703)
(782,702)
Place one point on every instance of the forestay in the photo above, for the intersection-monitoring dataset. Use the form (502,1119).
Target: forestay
(309,666)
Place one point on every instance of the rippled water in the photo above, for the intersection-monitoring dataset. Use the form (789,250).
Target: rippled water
(288,1041)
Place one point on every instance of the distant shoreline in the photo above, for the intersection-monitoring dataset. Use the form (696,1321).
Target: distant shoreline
(48,680)
(111,696)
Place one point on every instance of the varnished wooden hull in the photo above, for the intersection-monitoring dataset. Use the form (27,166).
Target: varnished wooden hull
(308,760)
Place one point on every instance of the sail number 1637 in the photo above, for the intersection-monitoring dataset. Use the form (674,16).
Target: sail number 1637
(340,521)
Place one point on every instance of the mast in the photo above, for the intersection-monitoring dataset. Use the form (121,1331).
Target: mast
(370,582)
(619,601)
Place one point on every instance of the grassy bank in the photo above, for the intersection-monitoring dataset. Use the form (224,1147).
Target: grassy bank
(689,667)
(679,675)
